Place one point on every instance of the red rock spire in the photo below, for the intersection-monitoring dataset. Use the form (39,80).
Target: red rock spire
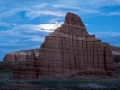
(70,52)
(73,19)
(72,26)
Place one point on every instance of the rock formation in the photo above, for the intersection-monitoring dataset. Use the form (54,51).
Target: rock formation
(20,55)
(69,52)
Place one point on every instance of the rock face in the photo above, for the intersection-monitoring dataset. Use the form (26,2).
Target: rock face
(20,55)
(69,52)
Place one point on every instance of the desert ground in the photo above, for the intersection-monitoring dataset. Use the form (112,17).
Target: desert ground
(104,83)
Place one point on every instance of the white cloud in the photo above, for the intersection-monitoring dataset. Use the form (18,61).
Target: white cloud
(100,3)
(8,33)
(110,37)
(58,8)
(77,8)
(112,13)
(106,34)
(9,13)
(4,24)
(25,29)
(37,38)
(86,24)
(51,21)
(11,44)
(35,13)
(49,27)
(26,33)
(35,9)
(31,13)
(37,27)
(88,4)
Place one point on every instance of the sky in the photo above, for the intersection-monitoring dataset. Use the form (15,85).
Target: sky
(25,23)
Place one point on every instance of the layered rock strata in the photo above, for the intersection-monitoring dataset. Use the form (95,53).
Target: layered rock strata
(20,55)
(70,52)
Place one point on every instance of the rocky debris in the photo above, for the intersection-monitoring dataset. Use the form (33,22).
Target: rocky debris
(69,51)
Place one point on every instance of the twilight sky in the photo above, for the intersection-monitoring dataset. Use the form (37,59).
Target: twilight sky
(25,23)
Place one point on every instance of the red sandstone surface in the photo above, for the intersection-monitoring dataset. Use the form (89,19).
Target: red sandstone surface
(21,55)
(67,52)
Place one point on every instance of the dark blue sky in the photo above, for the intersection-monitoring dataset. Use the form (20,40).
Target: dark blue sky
(25,23)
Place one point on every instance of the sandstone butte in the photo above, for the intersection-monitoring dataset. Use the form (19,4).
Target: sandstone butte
(67,52)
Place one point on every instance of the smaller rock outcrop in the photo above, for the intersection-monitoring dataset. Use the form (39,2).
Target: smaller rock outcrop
(29,71)
(20,55)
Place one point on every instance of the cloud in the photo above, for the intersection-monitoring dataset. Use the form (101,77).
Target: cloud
(11,44)
(33,32)
(88,4)
(25,34)
(48,27)
(76,8)
(51,21)
(35,13)
(57,8)
(9,13)
(107,34)
(87,25)
(100,3)
(25,30)
(112,13)
(30,28)
(31,13)
(32,10)
(37,8)
(37,38)
(4,24)
(110,37)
